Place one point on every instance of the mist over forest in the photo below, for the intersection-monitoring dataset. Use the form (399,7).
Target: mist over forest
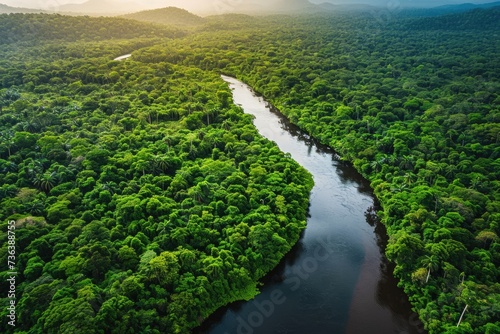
(137,197)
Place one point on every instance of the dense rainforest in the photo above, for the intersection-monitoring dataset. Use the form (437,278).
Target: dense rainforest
(144,199)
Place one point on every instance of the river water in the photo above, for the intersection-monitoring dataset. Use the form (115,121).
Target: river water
(335,280)
(123,57)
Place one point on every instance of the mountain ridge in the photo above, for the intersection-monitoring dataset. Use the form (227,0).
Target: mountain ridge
(252,7)
(475,19)
(101,7)
(5,9)
(168,15)
(447,9)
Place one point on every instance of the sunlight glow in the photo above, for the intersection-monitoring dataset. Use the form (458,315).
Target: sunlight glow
(205,6)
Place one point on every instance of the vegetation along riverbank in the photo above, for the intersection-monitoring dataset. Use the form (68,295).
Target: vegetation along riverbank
(144,199)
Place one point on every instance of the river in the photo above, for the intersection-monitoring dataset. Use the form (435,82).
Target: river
(335,280)
(123,57)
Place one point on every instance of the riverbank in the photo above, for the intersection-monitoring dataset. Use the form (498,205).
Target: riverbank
(318,280)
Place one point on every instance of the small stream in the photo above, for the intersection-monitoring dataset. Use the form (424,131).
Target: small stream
(335,280)
(123,57)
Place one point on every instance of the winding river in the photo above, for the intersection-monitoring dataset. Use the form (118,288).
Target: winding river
(335,280)
(123,57)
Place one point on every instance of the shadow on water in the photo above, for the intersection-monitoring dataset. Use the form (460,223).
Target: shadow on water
(348,285)
(344,169)
(276,276)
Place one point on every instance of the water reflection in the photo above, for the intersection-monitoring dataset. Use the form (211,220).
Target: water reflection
(335,280)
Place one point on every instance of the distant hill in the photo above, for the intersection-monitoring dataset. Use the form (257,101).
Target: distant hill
(4,9)
(468,6)
(447,9)
(279,6)
(39,28)
(291,5)
(477,19)
(102,7)
(354,7)
(211,7)
(170,16)
(424,9)
(256,7)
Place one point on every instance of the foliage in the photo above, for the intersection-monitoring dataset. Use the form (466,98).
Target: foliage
(136,188)
(414,105)
(33,28)
(139,183)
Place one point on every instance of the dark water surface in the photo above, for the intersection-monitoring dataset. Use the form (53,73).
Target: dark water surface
(335,280)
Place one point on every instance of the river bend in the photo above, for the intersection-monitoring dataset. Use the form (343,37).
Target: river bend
(335,280)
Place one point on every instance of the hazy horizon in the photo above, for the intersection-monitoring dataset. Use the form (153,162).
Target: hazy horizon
(228,4)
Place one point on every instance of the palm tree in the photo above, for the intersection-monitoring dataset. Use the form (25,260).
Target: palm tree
(226,124)
(7,140)
(161,163)
(196,193)
(185,174)
(31,126)
(36,208)
(449,171)
(45,181)
(462,315)
(469,297)
(215,139)
(399,188)
(462,276)
(8,191)
(10,167)
(179,235)
(34,168)
(376,165)
(407,162)
(214,270)
(168,141)
(201,134)
(476,182)
(409,178)
(199,191)
(211,113)
(229,147)
(432,263)
(191,137)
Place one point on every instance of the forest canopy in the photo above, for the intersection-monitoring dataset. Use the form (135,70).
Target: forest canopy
(133,184)
(144,199)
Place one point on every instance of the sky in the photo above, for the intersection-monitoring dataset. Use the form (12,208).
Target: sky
(53,4)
